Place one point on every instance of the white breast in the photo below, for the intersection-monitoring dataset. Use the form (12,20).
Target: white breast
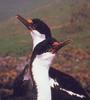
(40,68)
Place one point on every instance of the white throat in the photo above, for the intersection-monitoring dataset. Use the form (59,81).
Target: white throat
(40,68)
(37,37)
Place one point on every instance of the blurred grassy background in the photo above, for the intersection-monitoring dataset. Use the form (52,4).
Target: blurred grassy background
(68,19)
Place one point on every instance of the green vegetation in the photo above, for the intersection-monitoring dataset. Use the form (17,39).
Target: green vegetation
(68,19)
(15,44)
(13,39)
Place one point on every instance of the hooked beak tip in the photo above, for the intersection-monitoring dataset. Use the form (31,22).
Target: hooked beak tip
(17,16)
(62,44)
(68,42)
(27,23)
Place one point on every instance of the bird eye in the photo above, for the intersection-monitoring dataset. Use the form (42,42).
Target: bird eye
(34,26)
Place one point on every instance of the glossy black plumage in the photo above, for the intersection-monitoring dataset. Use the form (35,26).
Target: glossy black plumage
(65,81)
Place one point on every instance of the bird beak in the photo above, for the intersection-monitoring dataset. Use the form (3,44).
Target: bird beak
(59,45)
(27,23)
(62,44)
